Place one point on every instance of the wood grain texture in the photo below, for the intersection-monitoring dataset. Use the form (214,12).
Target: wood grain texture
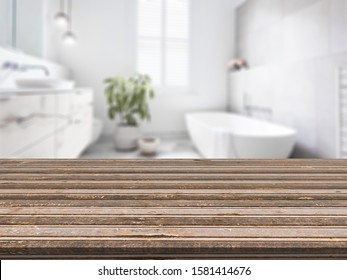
(123,209)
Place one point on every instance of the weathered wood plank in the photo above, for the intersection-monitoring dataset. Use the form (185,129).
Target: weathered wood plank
(103,232)
(173,203)
(174,184)
(177,220)
(158,212)
(173,170)
(176,196)
(177,162)
(177,177)
(100,191)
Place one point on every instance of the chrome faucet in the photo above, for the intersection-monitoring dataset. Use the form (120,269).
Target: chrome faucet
(26,67)
(247,104)
(14,66)
(249,108)
(9,65)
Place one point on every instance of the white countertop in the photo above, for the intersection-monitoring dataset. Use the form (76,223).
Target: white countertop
(6,93)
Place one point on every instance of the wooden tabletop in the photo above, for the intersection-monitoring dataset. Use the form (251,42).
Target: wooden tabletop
(173,209)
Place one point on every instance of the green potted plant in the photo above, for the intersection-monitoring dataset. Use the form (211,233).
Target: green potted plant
(128,102)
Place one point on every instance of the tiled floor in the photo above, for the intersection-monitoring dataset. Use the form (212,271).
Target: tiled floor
(169,148)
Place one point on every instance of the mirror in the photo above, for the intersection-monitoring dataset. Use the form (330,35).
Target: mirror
(6,23)
(21,25)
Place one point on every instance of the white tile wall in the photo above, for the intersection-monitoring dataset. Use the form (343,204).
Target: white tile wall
(338,25)
(267,12)
(245,18)
(238,83)
(307,32)
(266,45)
(294,48)
(292,6)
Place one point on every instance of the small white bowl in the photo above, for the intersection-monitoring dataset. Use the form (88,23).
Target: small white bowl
(149,145)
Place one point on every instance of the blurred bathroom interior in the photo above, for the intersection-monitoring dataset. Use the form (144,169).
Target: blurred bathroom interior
(139,79)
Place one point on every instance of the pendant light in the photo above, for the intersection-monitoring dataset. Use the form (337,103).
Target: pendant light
(69,37)
(61,18)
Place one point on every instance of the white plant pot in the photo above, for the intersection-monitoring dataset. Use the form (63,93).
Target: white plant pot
(126,137)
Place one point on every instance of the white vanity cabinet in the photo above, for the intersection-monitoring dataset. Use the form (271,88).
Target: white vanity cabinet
(74,131)
(46,125)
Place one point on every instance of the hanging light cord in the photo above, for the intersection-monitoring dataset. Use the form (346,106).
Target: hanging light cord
(70,14)
(62,6)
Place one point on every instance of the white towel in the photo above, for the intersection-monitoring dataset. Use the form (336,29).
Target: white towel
(224,144)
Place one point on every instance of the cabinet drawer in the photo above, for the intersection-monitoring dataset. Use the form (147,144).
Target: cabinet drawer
(76,136)
(25,120)
(83,97)
(45,149)
(71,104)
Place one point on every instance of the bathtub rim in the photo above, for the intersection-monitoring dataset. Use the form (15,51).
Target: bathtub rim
(287,131)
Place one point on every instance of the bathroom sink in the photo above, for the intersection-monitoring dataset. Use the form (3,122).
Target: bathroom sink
(44,83)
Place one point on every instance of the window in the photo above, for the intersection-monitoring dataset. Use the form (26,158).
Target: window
(163,41)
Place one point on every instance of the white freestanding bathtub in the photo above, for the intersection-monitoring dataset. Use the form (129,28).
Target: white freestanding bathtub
(226,135)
